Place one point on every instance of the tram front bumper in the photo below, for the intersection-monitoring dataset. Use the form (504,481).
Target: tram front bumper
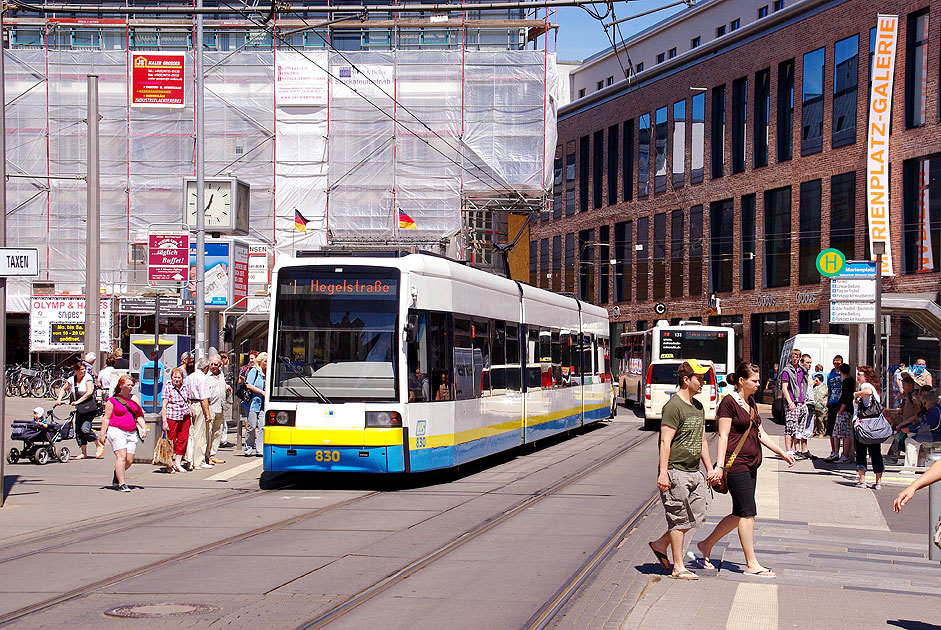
(335,450)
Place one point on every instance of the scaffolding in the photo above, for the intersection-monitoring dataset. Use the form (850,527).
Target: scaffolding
(430,135)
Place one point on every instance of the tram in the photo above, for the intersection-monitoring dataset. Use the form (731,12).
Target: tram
(414,362)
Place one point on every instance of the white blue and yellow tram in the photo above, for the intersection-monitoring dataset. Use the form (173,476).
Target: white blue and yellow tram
(417,362)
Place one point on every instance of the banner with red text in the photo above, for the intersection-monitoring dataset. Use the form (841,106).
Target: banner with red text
(157,79)
(880,114)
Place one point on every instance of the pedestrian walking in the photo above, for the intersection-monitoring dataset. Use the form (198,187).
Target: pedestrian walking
(105,376)
(123,423)
(867,394)
(739,456)
(218,390)
(793,389)
(821,395)
(255,382)
(80,387)
(843,426)
(177,416)
(684,491)
(199,390)
(834,388)
(805,428)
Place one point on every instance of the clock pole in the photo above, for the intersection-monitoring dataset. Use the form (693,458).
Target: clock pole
(200,196)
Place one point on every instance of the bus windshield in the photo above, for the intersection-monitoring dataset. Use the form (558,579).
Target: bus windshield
(335,334)
(708,345)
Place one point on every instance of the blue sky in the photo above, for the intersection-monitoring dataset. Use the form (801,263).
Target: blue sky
(580,36)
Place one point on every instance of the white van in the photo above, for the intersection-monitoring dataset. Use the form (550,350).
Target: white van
(661,386)
(821,348)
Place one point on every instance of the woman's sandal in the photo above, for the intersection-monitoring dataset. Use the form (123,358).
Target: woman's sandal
(684,575)
(79,457)
(705,560)
(764,573)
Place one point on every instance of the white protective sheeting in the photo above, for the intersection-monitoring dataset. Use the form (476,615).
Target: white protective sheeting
(405,132)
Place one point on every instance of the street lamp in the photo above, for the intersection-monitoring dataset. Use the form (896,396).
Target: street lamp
(878,248)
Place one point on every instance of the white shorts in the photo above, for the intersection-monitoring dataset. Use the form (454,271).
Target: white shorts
(122,440)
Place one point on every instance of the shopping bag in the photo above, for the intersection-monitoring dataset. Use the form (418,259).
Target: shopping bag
(163,451)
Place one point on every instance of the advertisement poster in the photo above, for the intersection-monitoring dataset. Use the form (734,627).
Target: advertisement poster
(239,275)
(367,81)
(298,80)
(157,79)
(57,323)
(167,259)
(217,274)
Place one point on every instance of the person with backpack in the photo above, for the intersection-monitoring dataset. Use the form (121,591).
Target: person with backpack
(254,407)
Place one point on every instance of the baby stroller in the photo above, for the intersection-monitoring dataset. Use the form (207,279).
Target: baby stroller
(39,441)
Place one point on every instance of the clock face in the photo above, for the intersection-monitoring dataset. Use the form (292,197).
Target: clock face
(217,199)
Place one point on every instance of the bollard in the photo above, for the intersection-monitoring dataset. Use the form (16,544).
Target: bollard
(934,506)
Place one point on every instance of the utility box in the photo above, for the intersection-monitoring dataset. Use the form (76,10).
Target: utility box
(168,356)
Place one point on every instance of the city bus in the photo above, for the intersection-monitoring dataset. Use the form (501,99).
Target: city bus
(688,340)
(415,362)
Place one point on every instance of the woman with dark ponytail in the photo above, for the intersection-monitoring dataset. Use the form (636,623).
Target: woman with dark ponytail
(740,430)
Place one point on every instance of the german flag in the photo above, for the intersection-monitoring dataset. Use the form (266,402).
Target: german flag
(300,223)
(405,222)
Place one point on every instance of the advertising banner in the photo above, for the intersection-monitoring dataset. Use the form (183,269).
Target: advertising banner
(239,275)
(157,79)
(880,114)
(57,323)
(226,274)
(167,259)
(363,81)
(298,80)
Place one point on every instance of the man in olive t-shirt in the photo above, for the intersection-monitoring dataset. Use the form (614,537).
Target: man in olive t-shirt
(683,489)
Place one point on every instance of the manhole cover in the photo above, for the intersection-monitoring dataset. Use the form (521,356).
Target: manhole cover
(144,611)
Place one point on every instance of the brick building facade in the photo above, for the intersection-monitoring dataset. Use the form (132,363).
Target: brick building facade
(755,161)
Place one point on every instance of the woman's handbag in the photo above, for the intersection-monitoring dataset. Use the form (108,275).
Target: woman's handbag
(243,392)
(723,484)
(87,406)
(163,451)
(872,427)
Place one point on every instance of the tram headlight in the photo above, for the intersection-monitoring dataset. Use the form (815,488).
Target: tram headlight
(383,419)
(279,418)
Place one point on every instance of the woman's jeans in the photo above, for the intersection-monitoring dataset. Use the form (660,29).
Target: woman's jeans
(874,451)
(255,432)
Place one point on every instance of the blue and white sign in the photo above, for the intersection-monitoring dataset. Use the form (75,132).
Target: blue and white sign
(858,269)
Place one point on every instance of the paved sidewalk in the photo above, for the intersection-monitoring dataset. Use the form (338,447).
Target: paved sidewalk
(843,560)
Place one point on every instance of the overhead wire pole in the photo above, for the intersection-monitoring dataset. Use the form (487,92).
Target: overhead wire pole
(3,281)
(93,224)
(200,189)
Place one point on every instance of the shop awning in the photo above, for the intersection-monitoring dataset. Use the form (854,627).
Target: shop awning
(922,308)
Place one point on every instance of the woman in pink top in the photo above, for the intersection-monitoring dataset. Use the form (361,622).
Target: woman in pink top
(124,419)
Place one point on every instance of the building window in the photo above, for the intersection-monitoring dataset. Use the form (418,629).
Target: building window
(583,153)
(777,238)
(660,152)
(597,170)
(845,79)
(570,177)
(677,249)
(581,93)
(599,85)
(735,24)
(544,263)
(569,263)
(627,166)
(921,215)
(718,131)
(533,263)
(609,81)
(586,265)
(695,250)
(679,143)
(763,12)
(694,43)
(812,103)
(613,146)
(748,242)
(604,264)
(808,322)
(739,115)
(721,239)
(661,57)
(557,169)
(639,68)
(777,6)
(720,30)
(623,254)
(659,255)
(672,53)
(697,139)
(916,70)
(643,156)
(843,213)
(762,117)
(556,263)
(809,232)
(785,110)
(643,257)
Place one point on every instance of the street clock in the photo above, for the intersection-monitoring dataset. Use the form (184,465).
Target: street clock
(226,203)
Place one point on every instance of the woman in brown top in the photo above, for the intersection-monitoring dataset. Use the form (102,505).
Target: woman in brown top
(739,419)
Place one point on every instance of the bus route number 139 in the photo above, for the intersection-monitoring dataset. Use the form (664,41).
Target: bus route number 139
(327,456)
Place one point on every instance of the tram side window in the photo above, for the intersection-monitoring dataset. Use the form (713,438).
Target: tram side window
(513,367)
(533,372)
(545,357)
(419,383)
(439,361)
(466,376)
(588,366)
(481,340)
(498,358)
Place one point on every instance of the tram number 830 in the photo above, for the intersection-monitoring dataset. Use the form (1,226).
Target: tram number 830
(327,456)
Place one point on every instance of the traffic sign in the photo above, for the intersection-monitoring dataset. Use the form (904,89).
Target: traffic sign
(853,289)
(660,308)
(19,261)
(858,269)
(167,259)
(830,262)
(852,312)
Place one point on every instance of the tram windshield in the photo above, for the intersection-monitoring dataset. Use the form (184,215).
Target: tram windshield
(336,334)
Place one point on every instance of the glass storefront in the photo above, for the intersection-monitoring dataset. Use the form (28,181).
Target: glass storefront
(769,331)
